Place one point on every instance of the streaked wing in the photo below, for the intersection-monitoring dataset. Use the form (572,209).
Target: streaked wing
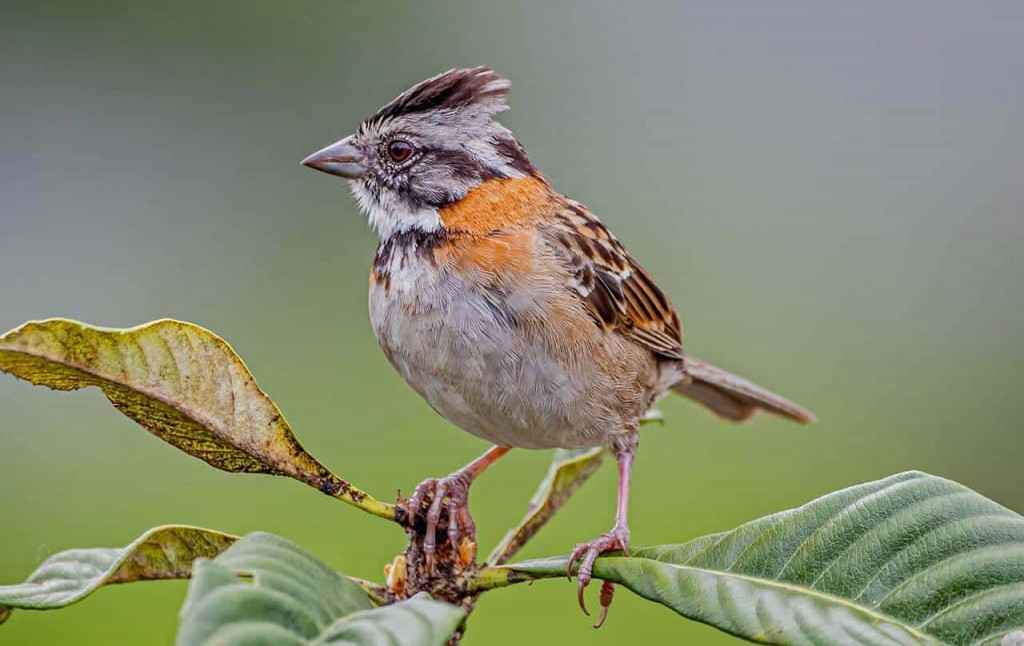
(617,292)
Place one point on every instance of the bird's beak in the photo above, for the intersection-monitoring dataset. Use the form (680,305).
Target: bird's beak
(342,159)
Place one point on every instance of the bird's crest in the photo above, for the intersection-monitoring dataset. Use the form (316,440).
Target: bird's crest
(480,88)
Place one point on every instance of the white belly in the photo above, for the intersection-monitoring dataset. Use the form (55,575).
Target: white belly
(466,357)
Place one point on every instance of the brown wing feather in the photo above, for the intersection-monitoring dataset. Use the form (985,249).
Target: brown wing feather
(621,296)
(616,291)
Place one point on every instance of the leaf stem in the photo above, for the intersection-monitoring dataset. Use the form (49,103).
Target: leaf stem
(327,483)
(362,500)
(378,594)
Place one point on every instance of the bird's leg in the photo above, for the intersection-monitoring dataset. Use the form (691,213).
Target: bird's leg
(624,449)
(455,488)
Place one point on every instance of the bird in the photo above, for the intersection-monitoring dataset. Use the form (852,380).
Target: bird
(509,307)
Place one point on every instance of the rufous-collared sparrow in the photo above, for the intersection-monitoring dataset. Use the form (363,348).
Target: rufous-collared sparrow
(509,307)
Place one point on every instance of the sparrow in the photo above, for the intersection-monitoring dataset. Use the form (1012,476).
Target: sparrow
(511,308)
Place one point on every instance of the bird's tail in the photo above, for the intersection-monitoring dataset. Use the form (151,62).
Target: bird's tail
(734,397)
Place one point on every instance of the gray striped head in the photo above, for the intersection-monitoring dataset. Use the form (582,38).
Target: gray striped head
(427,148)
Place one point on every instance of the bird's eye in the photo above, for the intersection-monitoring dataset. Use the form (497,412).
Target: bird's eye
(399,151)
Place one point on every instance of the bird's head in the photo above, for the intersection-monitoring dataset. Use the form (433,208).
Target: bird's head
(426,149)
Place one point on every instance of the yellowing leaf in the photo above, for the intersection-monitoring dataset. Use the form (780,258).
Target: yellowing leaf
(183,384)
(66,577)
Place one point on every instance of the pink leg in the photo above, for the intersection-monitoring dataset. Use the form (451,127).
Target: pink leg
(479,465)
(616,539)
(455,487)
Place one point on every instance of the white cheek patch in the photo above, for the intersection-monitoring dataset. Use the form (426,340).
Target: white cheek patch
(388,216)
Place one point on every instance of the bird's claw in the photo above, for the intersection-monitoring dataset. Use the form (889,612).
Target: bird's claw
(460,524)
(586,554)
(607,592)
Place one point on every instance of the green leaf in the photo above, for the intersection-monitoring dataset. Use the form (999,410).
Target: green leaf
(66,577)
(569,469)
(420,620)
(911,559)
(294,598)
(183,384)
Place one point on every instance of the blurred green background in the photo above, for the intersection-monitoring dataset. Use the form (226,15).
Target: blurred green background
(831,193)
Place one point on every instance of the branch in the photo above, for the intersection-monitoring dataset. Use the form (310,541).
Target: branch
(492,578)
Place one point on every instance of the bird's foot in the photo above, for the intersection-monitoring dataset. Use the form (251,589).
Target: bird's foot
(449,494)
(586,554)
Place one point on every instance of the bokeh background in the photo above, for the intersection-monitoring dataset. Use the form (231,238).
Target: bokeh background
(831,193)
